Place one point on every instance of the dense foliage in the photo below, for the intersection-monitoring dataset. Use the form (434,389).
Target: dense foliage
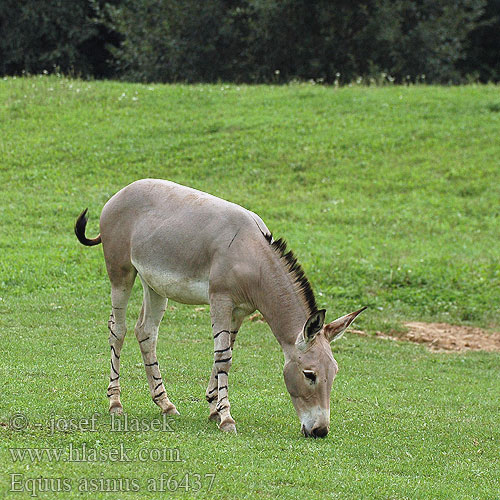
(253,40)
(44,35)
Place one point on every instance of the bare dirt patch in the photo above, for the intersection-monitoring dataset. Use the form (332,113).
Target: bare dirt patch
(445,337)
(436,336)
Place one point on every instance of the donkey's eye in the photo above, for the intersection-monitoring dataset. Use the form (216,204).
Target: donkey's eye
(310,375)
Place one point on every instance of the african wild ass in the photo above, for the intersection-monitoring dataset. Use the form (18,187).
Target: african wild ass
(195,248)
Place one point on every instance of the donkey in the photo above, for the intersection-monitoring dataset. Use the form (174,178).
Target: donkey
(195,248)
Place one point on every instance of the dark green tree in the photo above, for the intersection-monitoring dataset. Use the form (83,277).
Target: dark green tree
(40,35)
(253,40)
(483,46)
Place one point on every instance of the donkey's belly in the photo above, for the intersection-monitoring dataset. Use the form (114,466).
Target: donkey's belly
(174,285)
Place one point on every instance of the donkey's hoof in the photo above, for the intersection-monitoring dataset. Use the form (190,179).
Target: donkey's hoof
(228,426)
(170,410)
(214,416)
(116,408)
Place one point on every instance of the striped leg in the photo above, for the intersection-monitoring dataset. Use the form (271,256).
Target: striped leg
(211,394)
(117,330)
(146,331)
(221,309)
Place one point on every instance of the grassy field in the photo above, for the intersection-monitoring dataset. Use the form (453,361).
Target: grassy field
(389,196)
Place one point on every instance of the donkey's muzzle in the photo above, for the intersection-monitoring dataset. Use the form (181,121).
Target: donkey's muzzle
(320,432)
(315,432)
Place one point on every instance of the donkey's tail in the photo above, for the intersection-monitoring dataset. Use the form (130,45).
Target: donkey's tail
(80,225)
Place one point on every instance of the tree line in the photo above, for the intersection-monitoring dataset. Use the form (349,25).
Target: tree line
(437,41)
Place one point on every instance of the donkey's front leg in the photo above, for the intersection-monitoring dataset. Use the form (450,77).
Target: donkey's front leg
(221,310)
(211,394)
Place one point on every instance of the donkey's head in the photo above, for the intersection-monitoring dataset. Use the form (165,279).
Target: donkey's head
(310,369)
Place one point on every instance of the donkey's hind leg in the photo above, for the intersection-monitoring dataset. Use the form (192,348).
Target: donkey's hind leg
(120,293)
(146,331)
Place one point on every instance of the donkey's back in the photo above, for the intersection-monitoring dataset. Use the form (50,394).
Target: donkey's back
(176,237)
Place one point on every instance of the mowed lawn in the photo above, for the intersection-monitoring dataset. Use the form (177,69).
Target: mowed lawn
(389,196)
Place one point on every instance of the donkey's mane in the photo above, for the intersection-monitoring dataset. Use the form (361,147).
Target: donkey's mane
(302,285)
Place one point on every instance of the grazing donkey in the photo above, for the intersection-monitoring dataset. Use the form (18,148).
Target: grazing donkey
(194,248)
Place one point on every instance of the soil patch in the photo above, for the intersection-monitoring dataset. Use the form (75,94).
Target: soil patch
(445,337)
(436,336)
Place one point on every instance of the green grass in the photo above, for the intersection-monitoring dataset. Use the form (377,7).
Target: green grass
(390,198)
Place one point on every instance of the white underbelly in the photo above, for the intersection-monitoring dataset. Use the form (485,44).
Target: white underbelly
(175,286)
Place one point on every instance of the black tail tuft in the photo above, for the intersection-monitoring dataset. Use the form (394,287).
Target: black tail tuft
(80,225)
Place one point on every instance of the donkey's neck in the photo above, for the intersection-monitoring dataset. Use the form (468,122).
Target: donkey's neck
(280,302)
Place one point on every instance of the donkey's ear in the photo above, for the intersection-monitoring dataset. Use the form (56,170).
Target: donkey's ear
(314,324)
(335,329)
